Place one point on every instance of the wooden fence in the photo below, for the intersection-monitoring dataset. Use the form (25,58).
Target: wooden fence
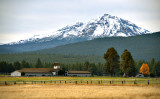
(85,81)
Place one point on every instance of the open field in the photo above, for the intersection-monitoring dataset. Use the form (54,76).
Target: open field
(79,91)
(70,78)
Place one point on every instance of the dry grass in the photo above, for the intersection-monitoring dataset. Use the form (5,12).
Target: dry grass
(79,91)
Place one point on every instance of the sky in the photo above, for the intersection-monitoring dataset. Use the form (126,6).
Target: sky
(21,19)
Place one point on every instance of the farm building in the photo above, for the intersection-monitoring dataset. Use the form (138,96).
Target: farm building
(48,72)
(16,73)
(139,75)
(78,73)
(37,71)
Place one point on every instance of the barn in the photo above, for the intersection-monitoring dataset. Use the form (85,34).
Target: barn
(16,73)
(37,71)
(78,73)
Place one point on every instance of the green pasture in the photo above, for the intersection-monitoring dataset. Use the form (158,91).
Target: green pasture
(72,78)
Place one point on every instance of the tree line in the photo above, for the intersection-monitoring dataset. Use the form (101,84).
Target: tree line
(127,66)
(113,66)
(50,58)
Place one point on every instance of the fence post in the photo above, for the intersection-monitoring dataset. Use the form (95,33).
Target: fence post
(75,82)
(5,82)
(81,81)
(65,81)
(98,82)
(134,81)
(23,82)
(70,81)
(44,82)
(87,81)
(122,82)
(110,82)
(148,82)
(60,81)
(91,81)
(15,82)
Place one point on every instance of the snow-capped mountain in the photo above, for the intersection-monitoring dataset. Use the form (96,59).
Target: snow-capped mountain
(104,26)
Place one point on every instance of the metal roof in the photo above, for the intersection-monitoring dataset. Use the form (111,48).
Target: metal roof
(37,70)
(79,72)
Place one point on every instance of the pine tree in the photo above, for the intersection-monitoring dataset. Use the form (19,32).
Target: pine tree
(99,69)
(38,63)
(17,65)
(93,69)
(156,69)
(127,64)
(86,66)
(152,62)
(112,61)
(25,64)
(6,67)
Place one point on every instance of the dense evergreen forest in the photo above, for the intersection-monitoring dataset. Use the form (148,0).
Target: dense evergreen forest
(96,68)
(142,47)
(51,58)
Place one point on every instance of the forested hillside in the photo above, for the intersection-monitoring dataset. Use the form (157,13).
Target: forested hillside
(51,58)
(143,47)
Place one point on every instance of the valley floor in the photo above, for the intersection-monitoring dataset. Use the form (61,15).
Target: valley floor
(78,91)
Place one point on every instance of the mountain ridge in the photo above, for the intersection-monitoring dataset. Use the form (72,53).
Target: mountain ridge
(107,22)
(142,46)
(145,48)
(104,26)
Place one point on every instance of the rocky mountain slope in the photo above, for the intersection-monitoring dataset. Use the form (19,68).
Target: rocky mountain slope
(104,26)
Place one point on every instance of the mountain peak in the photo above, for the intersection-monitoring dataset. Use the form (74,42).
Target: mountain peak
(107,15)
(104,26)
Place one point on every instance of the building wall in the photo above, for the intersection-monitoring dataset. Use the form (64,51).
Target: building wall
(38,74)
(54,73)
(56,67)
(139,75)
(15,73)
(79,75)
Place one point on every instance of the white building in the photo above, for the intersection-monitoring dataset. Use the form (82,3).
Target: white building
(37,71)
(48,72)
(139,75)
(56,66)
(78,73)
(16,73)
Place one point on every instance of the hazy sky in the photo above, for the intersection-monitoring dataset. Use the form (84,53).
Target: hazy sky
(20,19)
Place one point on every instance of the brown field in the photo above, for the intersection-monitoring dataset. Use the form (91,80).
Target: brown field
(78,91)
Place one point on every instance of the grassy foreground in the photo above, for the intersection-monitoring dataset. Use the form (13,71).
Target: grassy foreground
(70,78)
(79,91)
(78,80)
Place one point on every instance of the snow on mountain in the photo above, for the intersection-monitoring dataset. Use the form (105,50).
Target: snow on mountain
(105,26)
